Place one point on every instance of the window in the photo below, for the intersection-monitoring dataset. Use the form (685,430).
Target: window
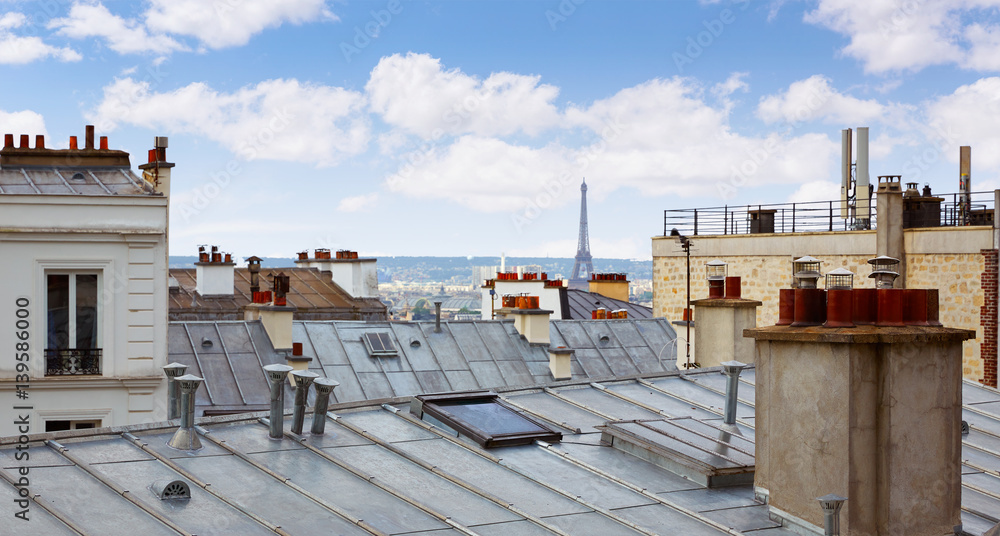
(72,318)
(59,426)
(486,419)
(379,344)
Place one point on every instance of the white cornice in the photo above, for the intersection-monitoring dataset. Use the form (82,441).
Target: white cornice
(85,382)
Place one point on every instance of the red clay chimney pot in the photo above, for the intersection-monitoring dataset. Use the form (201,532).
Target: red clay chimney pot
(8,140)
(104,143)
(24,141)
(90,137)
(72,143)
(39,141)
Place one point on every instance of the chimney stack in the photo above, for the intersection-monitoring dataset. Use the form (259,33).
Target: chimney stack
(324,387)
(89,137)
(215,276)
(185,438)
(173,371)
(157,170)
(356,275)
(529,320)
(276,375)
(8,141)
(24,142)
(39,141)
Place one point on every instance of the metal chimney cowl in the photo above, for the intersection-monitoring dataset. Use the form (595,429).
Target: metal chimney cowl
(185,438)
(276,375)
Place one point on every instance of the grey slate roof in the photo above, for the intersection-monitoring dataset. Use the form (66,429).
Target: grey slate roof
(378,470)
(582,303)
(71,181)
(465,355)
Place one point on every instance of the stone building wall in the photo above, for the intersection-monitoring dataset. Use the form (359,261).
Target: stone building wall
(764,262)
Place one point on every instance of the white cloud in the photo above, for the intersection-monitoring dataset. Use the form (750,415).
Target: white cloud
(814,99)
(226,23)
(731,85)
(22,122)
(660,137)
(889,35)
(123,36)
(968,117)
(15,49)
(816,191)
(274,119)
(454,103)
(358,203)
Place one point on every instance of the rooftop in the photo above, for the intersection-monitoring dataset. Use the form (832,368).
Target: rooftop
(380,470)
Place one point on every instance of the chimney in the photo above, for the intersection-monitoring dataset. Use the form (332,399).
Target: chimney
(39,141)
(296,360)
(732,370)
(303,379)
(253,266)
(614,286)
(157,170)
(8,141)
(881,424)
(89,137)
(185,438)
(72,143)
(104,143)
(173,371)
(324,387)
(889,232)
(276,319)
(276,378)
(357,275)
(214,277)
(437,317)
(529,320)
(561,363)
(24,142)
(831,505)
(721,321)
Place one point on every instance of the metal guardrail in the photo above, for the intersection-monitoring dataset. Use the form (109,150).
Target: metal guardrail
(73,362)
(817,216)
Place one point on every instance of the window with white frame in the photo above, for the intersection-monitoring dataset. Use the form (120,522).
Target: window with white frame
(73,334)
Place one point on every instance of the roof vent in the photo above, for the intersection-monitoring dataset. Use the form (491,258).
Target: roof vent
(414,343)
(965,428)
(171,490)
(78,177)
(206,342)
(605,339)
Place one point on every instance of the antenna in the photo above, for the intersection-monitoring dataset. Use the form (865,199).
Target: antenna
(862,197)
(845,172)
(964,183)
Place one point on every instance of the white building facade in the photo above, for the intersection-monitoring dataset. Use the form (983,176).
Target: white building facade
(83,297)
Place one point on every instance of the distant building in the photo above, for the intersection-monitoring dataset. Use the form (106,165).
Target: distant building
(84,263)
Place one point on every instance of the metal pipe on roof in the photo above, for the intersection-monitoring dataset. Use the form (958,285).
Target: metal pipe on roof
(437,317)
(831,505)
(732,370)
(303,379)
(276,377)
(324,387)
(185,437)
(173,371)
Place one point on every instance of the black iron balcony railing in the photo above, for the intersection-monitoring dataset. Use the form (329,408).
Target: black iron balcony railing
(819,216)
(72,362)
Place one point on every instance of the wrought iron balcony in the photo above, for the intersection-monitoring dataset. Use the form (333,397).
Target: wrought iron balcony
(73,362)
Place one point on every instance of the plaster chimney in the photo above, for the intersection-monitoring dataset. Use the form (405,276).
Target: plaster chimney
(157,170)
(889,232)
(324,387)
(185,438)
(303,379)
(719,337)
(357,275)
(276,375)
(882,425)
(215,277)
(173,371)
(561,363)
(529,320)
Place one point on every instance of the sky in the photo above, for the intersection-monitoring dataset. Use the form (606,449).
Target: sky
(456,128)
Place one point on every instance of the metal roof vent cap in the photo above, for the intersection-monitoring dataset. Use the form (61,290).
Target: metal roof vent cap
(185,438)
(831,505)
(805,272)
(303,380)
(168,490)
(173,371)
(732,370)
(885,270)
(324,388)
(276,375)
(840,279)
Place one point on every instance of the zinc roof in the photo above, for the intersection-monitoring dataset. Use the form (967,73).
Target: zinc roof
(72,181)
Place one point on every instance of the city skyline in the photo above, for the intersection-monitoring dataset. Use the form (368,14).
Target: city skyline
(453,128)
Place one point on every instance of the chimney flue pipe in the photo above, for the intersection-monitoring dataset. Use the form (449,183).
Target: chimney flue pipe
(185,438)
(324,387)
(173,371)
(276,377)
(90,137)
(437,317)
(831,505)
(732,370)
(303,379)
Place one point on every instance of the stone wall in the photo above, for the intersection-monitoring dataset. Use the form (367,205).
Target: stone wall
(949,259)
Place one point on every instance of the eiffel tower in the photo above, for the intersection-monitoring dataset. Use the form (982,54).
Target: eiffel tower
(584,265)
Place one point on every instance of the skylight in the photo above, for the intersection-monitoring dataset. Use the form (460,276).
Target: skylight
(379,344)
(486,419)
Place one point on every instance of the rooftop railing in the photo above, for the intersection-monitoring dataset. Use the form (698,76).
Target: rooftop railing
(818,216)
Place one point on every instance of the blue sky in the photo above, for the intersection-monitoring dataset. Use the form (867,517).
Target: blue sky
(464,128)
